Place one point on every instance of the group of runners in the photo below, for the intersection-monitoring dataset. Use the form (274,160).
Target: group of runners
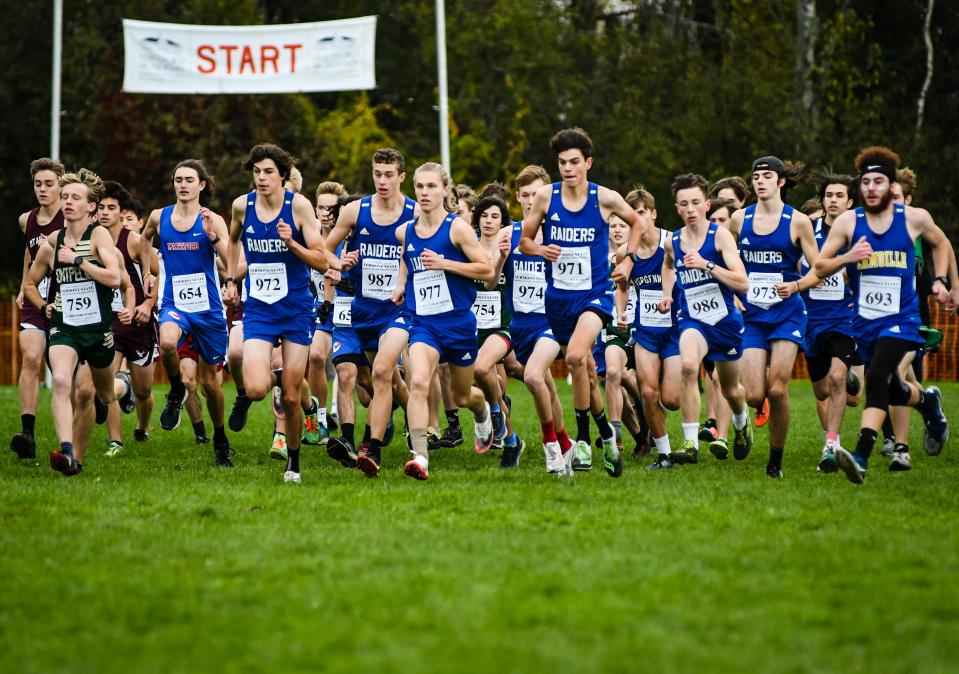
(434,303)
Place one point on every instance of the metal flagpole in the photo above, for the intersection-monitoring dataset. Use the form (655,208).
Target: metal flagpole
(441,71)
(55,97)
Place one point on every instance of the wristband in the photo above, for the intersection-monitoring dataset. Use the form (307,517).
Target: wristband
(43,309)
(215,241)
(945,281)
(230,279)
(77,261)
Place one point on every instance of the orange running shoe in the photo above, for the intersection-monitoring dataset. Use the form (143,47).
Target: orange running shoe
(762,414)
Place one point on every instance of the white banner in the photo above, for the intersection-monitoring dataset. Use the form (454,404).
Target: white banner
(172,58)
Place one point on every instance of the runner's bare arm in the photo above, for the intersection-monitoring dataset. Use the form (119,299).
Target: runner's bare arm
(23,276)
(399,292)
(924,226)
(531,224)
(462,235)
(613,203)
(146,246)
(125,315)
(734,274)
(313,253)
(101,245)
(40,268)
(840,234)
(345,223)
(802,225)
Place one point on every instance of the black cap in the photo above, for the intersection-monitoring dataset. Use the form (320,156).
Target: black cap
(769,163)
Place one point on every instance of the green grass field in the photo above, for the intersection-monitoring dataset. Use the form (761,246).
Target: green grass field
(158,562)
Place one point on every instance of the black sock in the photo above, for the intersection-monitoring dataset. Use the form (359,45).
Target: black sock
(293,459)
(240,392)
(66,448)
(28,421)
(582,426)
(775,457)
(177,389)
(710,423)
(219,435)
(366,434)
(901,447)
(348,433)
(374,446)
(602,425)
(867,438)
(199,429)
(453,417)
(887,431)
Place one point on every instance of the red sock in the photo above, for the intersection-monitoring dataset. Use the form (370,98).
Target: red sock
(564,442)
(549,431)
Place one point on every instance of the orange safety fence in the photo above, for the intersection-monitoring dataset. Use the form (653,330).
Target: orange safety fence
(943,365)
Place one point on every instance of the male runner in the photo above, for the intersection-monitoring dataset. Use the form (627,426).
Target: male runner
(36,225)
(282,242)
(373,255)
(190,233)
(85,268)
(773,236)
(880,240)
(573,215)
(708,270)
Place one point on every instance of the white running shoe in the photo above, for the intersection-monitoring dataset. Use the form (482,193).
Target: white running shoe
(583,456)
(569,459)
(483,431)
(417,467)
(290,477)
(554,458)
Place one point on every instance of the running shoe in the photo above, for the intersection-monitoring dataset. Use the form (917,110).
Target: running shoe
(114,448)
(612,458)
(452,437)
(554,458)
(239,413)
(483,432)
(65,464)
(223,455)
(719,448)
(341,450)
(278,448)
(140,435)
(853,465)
(762,414)
(662,462)
(24,446)
(853,384)
(775,472)
(368,461)
(417,468)
(568,459)
(511,454)
(291,477)
(901,461)
(128,401)
(201,438)
(742,442)
(100,410)
(937,426)
(688,453)
(932,336)
(644,446)
(499,427)
(332,422)
(888,446)
(311,423)
(708,431)
(827,460)
(582,456)
(170,416)
(432,438)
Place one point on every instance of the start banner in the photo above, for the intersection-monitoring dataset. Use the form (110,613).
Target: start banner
(172,58)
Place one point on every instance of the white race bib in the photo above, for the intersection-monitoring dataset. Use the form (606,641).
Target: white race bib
(379,278)
(267,281)
(43,287)
(487,309)
(116,304)
(432,293)
(78,303)
(573,269)
(762,289)
(190,294)
(630,312)
(529,292)
(319,282)
(832,289)
(706,303)
(649,316)
(343,311)
(879,296)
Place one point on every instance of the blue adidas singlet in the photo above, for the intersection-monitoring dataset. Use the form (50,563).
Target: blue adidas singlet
(830,302)
(701,297)
(526,278)
(584,237)
(884,284)
(277,281)
(647,278)
(436,295)
(770,259)
(189,269)
(375,274)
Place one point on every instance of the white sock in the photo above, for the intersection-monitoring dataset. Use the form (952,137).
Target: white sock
(691,432)
(740,419)
(662,445)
